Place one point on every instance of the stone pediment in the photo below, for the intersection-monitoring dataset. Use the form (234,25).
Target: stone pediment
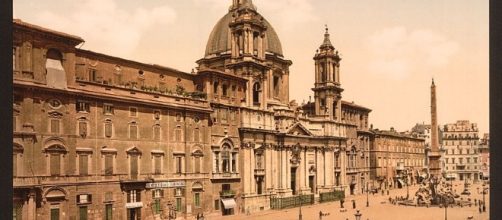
(299,129)
(134,150)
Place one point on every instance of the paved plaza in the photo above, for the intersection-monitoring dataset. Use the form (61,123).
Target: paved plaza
(379,209)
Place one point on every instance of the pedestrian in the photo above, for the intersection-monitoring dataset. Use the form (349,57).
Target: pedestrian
(480,210)
(354,204)
(341,203)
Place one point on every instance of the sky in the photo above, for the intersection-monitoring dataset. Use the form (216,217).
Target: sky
(390,49)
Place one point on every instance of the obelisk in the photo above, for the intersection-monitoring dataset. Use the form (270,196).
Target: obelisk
(434,154)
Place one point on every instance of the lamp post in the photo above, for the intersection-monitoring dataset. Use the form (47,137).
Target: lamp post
(367,195)
(301,203)
(358,215)
(445,202)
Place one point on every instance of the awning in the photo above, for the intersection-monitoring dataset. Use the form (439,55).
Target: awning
(228,203)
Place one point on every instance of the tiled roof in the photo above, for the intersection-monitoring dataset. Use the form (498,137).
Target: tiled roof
(21,23)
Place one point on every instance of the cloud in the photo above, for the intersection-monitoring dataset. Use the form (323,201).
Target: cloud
(397,52)
(297,12)
(105,26)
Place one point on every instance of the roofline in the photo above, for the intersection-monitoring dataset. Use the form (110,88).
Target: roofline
(154,66)
(21,24)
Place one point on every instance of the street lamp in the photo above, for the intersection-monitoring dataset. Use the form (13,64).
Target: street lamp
(445,202)
(367,195)
(484,192)
(301,202)
(358,215)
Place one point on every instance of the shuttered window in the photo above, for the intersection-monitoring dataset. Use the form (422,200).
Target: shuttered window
(109,164)
(197,164)
(83,164)
(54,213)
(55,164)
(83,213)
(178,164)
(108,211)
(157,159)
(134,166)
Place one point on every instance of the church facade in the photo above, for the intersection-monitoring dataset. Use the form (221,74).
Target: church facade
(101,137)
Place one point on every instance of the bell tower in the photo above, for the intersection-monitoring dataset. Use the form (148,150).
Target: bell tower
(327,90)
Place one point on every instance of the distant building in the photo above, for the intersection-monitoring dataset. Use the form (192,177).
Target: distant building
(484,156)
(396,158)
(460,144)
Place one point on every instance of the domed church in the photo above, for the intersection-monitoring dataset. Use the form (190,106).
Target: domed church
(98,136)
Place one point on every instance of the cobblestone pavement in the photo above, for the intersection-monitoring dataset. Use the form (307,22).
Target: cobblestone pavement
(379,209)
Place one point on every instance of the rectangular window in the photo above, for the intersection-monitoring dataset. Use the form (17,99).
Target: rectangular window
(54,213)
(224,115)
(178,165)
(196,199)
(83,163)
(108,129)
(93,75)
(133,131)
(133,196)
(108,109)
(55,126)
(217,204)
(55,161)
(156,133)
(156,207)
(178,204)
(82,106)
(133,166)
(234,162)
(133,112)
(216,162)
(108,164)
(197,164)
(82,128)
(177,134)
(108,212)
(158,164)
(82,212)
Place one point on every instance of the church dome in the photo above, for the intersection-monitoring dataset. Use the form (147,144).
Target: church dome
(219,39)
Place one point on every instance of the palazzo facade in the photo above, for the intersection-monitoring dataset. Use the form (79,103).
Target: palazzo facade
(102,137)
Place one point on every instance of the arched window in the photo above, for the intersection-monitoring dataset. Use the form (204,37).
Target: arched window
(276,86)
(56,76)
(225,158)
(256,93)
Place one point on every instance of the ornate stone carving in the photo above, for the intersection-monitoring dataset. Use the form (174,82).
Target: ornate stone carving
(295,154)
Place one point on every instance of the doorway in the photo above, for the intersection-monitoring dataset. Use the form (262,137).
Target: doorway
(293,180)
(134,214)
(352,187)
(311,184)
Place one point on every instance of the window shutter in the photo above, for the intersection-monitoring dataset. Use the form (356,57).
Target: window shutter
(128,197)
(138,196)
(161,193)
(55,164)
(89,198)
(78,199)
(108,164)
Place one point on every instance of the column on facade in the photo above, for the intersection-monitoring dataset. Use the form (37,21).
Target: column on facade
(284,169)
(260,47)
(279,168)
(301,169)
(270,84)
(285,89)
(264,94)
(329,158)
(245,42)
(319,168)
(233,45)
(269,163)
(249,93)
(252,164)
(343,167)
(31,205)
(329,71)
(245,175)
(230,156)
(288,170)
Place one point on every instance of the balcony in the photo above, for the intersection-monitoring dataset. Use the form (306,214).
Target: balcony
(227,193)
(73,179)
(225,176)
(352,170)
